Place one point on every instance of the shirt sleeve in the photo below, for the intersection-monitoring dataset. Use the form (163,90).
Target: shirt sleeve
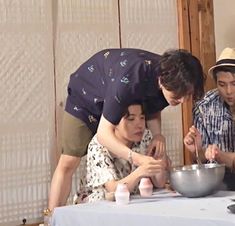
(100,166)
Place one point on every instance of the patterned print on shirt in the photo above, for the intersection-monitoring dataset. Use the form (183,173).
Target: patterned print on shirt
(76,108)
(106,55)
(110,72)
(95,100)
(92,118)
(117,99)
(123,63)
(91,68)
(123,53)
(84,91)
(125,80)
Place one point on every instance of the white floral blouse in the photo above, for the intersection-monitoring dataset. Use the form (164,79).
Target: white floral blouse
(100,167)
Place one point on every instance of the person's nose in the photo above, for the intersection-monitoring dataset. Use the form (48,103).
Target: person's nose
(228,89)
(139,123)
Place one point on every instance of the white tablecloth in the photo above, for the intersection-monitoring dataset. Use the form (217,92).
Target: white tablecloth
(164,208)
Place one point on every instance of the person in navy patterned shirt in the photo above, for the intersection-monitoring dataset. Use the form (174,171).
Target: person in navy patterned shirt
(100,90)
(214,118)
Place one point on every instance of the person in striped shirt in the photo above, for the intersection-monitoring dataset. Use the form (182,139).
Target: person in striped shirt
(214,118)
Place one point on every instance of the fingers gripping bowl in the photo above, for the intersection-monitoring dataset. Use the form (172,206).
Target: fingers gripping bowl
(197,180)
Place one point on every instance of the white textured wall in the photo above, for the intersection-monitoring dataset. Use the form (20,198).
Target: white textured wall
(26,109)
(224,17)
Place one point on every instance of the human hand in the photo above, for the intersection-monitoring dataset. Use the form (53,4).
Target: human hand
(167,161)
(143,159)
(157,147)
(211,152)
(151,168)
(191,137)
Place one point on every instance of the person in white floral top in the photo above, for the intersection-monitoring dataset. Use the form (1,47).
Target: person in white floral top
(103,171)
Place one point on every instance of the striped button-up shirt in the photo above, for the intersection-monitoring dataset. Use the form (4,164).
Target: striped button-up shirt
(213,119)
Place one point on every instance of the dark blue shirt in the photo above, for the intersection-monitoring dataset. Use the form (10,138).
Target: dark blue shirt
(111,80)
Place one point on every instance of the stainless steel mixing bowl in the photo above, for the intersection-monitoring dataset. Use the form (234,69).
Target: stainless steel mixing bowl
(197,180)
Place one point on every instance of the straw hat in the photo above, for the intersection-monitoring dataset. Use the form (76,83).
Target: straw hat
(226,58)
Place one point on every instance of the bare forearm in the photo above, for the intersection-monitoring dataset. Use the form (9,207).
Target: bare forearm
(107,138)
(131,181)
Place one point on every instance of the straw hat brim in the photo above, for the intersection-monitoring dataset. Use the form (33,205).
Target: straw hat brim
(226,58)
(210,71)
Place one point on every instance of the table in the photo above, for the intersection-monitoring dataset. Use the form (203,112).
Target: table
(164,208)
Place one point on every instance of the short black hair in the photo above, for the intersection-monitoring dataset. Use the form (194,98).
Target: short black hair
(230,69)
(126,112)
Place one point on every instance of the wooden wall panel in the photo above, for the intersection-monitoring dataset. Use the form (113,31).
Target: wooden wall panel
(196,34)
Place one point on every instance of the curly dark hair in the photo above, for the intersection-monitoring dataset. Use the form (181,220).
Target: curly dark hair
(182,74)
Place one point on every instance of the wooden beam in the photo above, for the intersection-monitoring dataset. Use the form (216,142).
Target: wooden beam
(194,27)
(185,43)
(207,39)
(183,25)
(193,10)
(196,34)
